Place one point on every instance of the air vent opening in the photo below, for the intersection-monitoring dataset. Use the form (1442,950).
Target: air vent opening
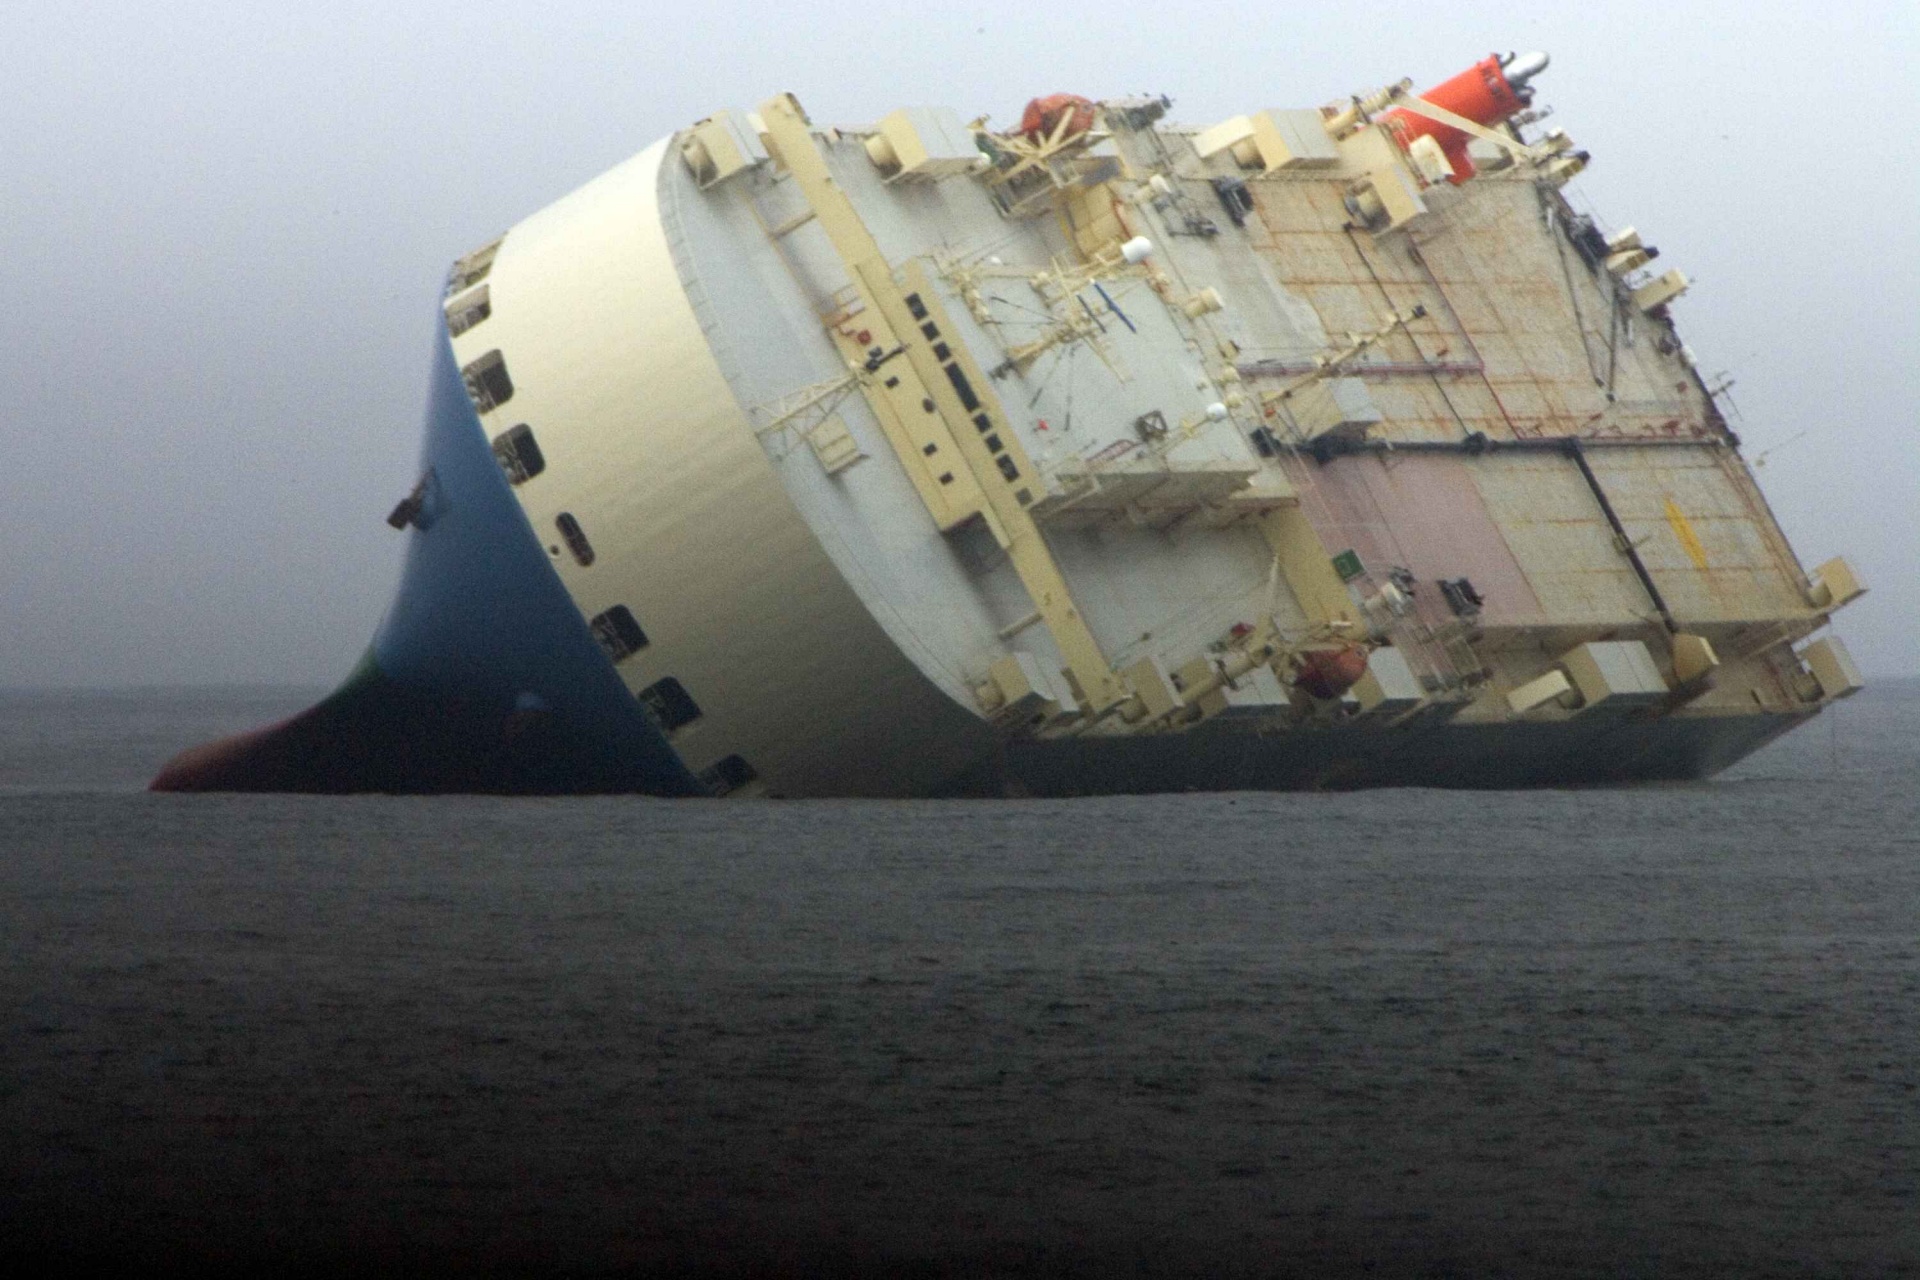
(473,268)
(518,454)
(669,703)
(617,633)
(727,775)
(468,309)
(488,385)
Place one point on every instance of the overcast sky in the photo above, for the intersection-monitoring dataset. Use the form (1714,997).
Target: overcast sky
(223,229)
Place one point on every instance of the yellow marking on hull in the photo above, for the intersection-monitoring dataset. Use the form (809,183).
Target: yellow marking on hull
(1683,530)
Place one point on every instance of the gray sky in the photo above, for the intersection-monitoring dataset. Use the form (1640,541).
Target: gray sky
(223,230)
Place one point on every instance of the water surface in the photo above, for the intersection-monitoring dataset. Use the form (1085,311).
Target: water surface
(1664,1031)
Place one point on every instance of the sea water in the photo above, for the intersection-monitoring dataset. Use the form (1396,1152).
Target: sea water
(1661,1031)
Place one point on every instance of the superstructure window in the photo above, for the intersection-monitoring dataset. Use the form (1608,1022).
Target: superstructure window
(487,382)
(1007,467)
(472,269)
(518,454)
(962,387)
(669,703)
(575,536)
(468,310)
(617,633)
(729,774)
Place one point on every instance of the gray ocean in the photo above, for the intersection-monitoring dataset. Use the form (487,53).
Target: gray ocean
(1668,1031)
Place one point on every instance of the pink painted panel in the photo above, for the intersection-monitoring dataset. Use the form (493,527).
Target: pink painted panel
(1422,511)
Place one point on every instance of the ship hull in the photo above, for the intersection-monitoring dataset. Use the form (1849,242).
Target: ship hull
(750,471)
(1348,757)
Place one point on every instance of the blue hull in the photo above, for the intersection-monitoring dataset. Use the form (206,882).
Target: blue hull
(483,677)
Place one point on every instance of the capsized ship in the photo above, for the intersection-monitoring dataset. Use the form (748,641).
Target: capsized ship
(1312,448)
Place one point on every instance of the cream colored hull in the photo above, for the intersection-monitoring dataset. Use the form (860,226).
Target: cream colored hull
(648,449)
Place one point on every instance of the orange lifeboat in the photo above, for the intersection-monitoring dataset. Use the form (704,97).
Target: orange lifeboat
(1328,673)
(1043,116)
